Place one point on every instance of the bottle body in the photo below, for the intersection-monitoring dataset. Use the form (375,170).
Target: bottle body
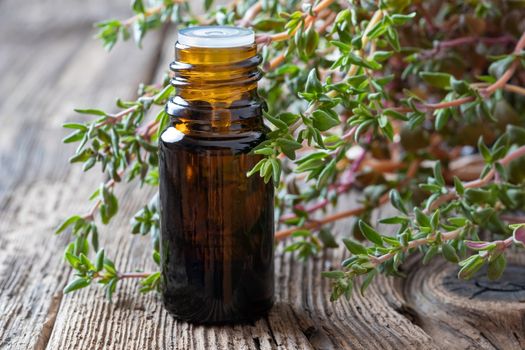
(217,224)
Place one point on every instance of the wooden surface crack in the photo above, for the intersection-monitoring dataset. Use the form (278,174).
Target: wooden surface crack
(49,323)
(272,335)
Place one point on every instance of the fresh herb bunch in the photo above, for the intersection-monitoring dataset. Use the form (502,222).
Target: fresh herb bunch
(417,104)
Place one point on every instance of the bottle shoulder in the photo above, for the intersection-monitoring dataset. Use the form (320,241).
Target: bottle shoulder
(173,139)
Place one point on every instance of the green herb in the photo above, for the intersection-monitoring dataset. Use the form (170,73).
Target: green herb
(385,79)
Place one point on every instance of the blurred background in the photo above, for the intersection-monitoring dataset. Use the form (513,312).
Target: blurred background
(50,63)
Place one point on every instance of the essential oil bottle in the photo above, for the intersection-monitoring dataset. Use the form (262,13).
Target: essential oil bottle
(217,224)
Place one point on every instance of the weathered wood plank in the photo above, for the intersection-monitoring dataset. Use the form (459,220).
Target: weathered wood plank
(303,317)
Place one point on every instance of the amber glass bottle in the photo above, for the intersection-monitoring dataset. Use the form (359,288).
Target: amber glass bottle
(216,223)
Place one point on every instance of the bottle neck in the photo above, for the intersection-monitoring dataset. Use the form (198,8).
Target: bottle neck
(216,89)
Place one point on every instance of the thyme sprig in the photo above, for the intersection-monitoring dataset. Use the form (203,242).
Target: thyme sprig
(376,96)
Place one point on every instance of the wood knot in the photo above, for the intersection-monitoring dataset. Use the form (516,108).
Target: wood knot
(510,287)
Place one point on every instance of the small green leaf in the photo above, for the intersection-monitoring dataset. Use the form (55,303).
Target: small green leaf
(394,220)
(156,257)
(312,39)
(73,260)
(499,67)
(458,185)
(397,202)
(74,137)
(163,95)
(399,19)
(326,173)
(288,118)
(90,111)
(496,267)
(288,147)
(77,284)
(207,4)
(370,234)
(99,260)
(94,236)
(269,24)
(138,6)
(89,164)
(438,174)
(323,120)
(442,117)
(341,46)
(139,30)
(265,151)
(470,267)
(313,85)
(393,39)
(434,220)
(421,218)
(449,253)
(256,167)
(381,56)
(267,171)
(150,278)
(276,170)
(333,274)
(377,30)
(358,61)
(76,126)
(394,114)
(327,238)
(111,287)
(354,247)
(431,252)
(278,123)
(460,87)
(477,195)
(109,266)
(369,277)
(70,221)
(436,79)
(485,152)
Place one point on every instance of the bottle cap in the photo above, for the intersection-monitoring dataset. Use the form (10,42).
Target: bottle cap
(216,37)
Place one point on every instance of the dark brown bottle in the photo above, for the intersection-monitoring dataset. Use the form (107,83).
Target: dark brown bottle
(217,224)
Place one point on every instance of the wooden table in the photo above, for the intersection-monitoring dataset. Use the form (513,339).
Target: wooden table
(49,65)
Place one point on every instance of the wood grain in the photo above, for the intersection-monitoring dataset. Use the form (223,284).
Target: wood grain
(459,314)
(52,67)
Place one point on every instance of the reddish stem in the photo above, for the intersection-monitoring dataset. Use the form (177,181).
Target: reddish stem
(519,152)
(499,84)
(465,41)
(514,219)
(342,188)
(134,275)
(250,14)
(114,118)
(267,39)
(445,236)
(412,170)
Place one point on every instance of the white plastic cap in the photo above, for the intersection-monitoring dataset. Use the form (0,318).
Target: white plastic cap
(216,36)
